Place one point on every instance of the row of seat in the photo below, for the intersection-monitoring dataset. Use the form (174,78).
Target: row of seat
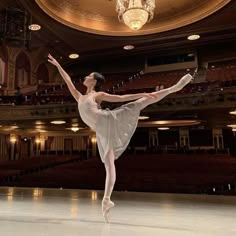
(158,173)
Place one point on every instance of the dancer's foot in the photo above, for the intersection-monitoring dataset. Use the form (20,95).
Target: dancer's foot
(183,82)
(107,204)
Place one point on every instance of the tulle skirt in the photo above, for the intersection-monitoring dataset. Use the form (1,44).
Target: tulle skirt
(114,128)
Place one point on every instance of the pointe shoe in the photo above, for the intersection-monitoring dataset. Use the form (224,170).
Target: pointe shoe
(183,82)
(106,206)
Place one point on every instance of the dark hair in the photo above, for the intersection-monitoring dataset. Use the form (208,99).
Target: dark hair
(100,81)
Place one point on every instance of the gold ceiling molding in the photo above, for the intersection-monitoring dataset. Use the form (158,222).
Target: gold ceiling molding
(169,123)
(100,16)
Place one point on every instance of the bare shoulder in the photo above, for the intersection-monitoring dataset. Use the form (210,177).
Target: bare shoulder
(99,96)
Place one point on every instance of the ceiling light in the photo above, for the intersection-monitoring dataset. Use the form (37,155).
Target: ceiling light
(74,129)
(39,122)
(193,37)
(135,13)
(232,112)
(232,126)
(34,27)
(41,131)
(128,47)
(74,56)
(191,55)
(39,127)
(58,122)
(163,128)
(143,117)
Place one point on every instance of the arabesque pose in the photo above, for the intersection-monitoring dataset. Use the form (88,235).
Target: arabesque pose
(114,128)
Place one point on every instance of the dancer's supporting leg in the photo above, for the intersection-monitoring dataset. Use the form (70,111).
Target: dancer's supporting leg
(109,163)
(143,102)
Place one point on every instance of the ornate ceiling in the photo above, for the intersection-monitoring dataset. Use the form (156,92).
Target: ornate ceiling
(91,29)
(100,16)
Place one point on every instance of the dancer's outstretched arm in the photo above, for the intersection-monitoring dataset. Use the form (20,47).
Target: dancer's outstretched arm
(75,93)
(156,96)
(101,96)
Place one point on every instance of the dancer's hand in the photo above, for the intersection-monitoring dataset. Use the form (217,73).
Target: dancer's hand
(52,60)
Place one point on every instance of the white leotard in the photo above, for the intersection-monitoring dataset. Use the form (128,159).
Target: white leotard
(114,128)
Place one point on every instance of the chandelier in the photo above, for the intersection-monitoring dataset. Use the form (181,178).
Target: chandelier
(135,13)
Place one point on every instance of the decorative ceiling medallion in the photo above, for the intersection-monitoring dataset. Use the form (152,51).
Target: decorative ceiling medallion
(100,17)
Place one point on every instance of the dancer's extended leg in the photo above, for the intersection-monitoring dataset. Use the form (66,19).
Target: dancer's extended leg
(143,102)
(109,163)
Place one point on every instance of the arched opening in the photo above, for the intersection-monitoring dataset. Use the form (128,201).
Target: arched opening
(22,70)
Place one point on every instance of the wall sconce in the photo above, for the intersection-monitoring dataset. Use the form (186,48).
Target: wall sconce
(38,140)
(93,140)
(13,139)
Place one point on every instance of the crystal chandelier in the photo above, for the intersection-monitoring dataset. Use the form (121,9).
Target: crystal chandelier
(135,13)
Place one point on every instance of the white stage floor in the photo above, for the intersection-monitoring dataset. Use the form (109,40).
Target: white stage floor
(43,212)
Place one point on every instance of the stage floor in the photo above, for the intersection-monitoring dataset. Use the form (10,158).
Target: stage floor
(43,212)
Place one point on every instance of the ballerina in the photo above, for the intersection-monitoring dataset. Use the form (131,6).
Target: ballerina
(114,128)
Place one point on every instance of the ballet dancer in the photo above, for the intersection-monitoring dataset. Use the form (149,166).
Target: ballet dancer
(114,128)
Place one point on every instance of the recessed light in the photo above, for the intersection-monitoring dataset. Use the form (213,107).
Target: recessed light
(41,131)
(39,126)
(191,55)
(128,47)
(74,56)
(143,117)
(58,122)
(39,122)
(193,37)
(34,27)
(232,112)
(163,128)
(232,126)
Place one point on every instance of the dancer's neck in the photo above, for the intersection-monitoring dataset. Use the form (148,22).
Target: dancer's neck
(89,91)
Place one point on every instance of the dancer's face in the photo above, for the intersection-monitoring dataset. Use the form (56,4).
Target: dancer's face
(89,80)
